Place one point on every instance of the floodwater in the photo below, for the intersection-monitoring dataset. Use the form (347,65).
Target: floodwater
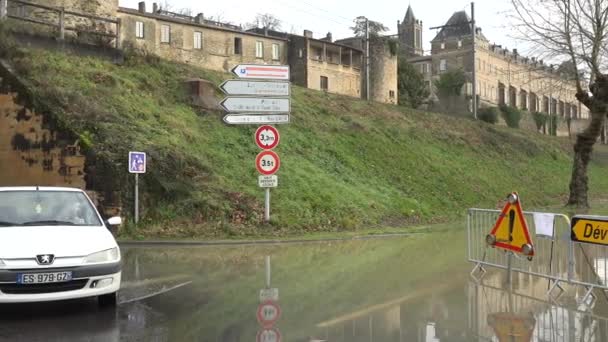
(415,288)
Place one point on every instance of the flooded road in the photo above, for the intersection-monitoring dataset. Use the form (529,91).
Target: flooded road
(414,288)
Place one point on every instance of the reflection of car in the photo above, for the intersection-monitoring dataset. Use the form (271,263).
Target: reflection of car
(54,245)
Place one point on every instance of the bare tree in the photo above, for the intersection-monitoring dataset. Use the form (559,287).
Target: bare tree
(267,21)
(574,31)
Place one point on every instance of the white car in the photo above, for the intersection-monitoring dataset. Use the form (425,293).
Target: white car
(54,245)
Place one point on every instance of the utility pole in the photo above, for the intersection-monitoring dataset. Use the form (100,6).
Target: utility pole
(367,59)
(474,60)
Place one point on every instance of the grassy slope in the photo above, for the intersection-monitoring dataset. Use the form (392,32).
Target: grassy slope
(346,163)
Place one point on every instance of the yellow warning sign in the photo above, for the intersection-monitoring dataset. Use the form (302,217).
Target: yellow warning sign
(590,229)
(511,230)
(512,328)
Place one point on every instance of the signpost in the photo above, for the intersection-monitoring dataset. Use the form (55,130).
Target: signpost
(253,119)
(137,165)
(260,96)
(256,88)
(262,72)
(256,104)
(590,229)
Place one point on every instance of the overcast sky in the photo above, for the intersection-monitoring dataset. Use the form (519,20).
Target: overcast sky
(336,16)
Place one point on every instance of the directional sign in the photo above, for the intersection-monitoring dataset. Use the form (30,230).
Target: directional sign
(268,313)
(268,181)
(269,335)
(255,119)
(267,137)
(268,72)
(590,229)
(259,88)
(267,163)
(256,104)
(137,162)
(511,230)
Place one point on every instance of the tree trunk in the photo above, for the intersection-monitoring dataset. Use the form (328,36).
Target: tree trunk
(582,155)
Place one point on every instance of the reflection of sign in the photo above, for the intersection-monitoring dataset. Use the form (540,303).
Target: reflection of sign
(511,230)
(137,162)
(590,229)
(268,313)
(253,88)
(255,119)
(267,163)
(267,137)
(512,328)
(268,181)
(256,104)
(269,295)
(269,72)
(269,335)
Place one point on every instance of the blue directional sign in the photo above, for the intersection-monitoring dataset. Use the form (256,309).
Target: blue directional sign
(137,162)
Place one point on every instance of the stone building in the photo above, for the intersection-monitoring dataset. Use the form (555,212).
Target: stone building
(383,63)
(197,41)
(503,76)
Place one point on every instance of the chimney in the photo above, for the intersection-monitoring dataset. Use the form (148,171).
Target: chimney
(307,34)
(142,7)
(155,8)
(265,30)
(329,37)
(199,19)
(515,52)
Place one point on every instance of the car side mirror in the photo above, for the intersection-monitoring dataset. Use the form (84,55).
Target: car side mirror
(114,221)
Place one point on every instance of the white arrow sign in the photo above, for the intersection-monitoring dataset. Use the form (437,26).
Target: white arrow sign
(268,72)
(260,88)
(255,119)
(260,105)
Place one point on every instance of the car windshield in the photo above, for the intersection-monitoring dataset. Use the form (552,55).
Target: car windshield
(46,208)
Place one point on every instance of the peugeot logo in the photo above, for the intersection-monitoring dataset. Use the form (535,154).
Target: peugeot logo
(45,259)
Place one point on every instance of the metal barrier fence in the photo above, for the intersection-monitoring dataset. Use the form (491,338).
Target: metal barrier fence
(556,258)
(552,322)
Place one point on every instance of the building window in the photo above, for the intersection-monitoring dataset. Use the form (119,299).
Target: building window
(139,29)
(324,83)
(459,44)
(259,49)
(238,46)
(442,46)
(425,68)
(300,53)
(391,94)
(165,34)
(276,52)
(443,65)
(198,40)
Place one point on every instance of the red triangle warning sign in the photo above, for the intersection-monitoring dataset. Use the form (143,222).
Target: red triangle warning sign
(511,230)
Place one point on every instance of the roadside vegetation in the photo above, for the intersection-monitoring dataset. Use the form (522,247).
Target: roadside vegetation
(346,164)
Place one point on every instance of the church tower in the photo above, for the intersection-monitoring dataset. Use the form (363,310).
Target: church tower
(410,35)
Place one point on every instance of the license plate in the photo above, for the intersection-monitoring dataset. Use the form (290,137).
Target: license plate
(43,278)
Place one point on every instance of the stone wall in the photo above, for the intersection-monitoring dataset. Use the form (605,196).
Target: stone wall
(218,45)
(341,79)
(383,72)
(31,153)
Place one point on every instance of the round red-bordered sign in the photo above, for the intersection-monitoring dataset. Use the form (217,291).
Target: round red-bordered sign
(269,335)
(267,163)
(268,313)
(267,137)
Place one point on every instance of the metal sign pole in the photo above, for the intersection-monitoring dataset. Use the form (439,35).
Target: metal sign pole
(267,271)
(267,206)
(136,198)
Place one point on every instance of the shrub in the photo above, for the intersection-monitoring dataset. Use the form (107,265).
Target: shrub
(540,119)
(553,127)
(488,114)
(511,115)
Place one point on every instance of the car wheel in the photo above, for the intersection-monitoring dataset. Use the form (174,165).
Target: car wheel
(106,300)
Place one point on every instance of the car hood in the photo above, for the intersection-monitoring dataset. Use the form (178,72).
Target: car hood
(62,241)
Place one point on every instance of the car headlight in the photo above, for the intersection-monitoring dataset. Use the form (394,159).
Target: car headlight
(103,256)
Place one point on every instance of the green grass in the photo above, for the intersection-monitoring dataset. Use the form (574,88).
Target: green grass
(346,164)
